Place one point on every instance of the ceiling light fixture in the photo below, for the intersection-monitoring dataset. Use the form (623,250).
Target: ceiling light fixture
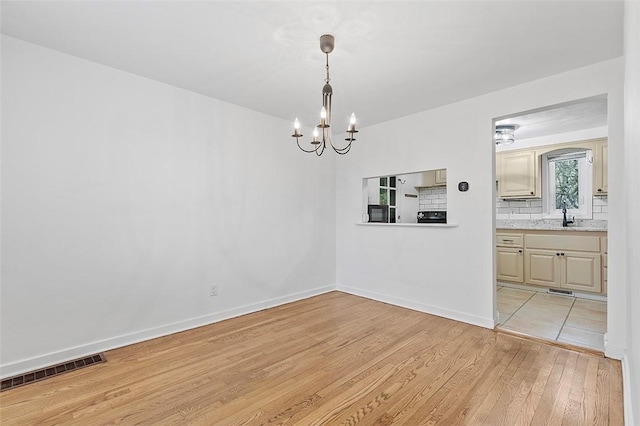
(327,42)
(505,134)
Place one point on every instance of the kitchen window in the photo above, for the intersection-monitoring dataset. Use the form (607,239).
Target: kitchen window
(567,177)
(388,195)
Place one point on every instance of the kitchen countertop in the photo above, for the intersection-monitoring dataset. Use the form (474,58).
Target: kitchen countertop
(553,225)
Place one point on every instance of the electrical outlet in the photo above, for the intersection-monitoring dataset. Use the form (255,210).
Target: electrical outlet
(213,291)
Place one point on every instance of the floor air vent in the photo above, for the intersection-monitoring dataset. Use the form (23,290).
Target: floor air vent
(560,292)
(54,370)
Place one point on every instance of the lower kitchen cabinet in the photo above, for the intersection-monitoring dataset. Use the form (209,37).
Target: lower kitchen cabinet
(563,269)
(605,263)
(554,259)
(509,264)
(581,271)
(605,271)
(542,268)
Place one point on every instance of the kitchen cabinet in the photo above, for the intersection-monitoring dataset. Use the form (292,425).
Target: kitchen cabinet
(541,268)
(601,168)
(518,174)
(563,261)
(509,264)
(580,271)
(570,260)
(432,178)
(605,264)
(509,258)
(564,270)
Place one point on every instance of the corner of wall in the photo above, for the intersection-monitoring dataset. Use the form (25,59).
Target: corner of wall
(418,306)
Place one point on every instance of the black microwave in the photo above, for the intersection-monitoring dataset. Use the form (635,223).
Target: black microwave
(378,213)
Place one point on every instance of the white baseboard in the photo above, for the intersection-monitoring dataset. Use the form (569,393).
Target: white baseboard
(611,351)
(418,306)
(626,391)
(41,361)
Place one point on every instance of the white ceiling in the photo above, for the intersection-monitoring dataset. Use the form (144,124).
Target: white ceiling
(581,114)
(391,58)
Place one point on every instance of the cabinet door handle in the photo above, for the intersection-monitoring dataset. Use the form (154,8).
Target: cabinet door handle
(557,254)
(508,241)
(519,251)
(531,193)
(599,189)
(561,254)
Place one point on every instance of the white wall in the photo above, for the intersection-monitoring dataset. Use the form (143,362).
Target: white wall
(123,199)
(631,362)
(450,271)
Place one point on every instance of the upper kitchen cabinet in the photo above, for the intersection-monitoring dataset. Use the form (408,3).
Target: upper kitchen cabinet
(518,174)
(432,178)
(600,168)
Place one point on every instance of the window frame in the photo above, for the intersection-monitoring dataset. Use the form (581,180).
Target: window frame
(585,183)
(390,186)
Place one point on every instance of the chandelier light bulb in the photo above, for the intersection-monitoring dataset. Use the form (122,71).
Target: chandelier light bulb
(315,133)
(352,123)
(296,124)
(323,113)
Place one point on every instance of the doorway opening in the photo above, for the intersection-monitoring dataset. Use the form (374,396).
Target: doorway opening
(551,223)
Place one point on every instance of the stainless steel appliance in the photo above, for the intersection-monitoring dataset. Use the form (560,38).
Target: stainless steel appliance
(437,216)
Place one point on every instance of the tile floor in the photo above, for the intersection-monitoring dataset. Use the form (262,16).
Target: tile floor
(565,319)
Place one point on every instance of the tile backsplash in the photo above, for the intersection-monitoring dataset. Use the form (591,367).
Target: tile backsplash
(433,198)
(532,209)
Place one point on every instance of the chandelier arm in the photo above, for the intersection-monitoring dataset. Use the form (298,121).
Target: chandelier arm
(322,150)
(339,150)
(342,151)
(305,150)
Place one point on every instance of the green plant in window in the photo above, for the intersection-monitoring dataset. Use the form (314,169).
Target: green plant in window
(384,199)
(567,184)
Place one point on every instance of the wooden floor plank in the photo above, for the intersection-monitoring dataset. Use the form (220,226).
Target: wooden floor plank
(330,359)
(574,410)
(494,394)
(615,394)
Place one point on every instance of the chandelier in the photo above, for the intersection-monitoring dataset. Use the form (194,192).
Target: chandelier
(318,144)
(505,134)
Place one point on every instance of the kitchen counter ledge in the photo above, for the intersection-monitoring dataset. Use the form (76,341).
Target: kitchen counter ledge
(552,225)
(550,228)
(415,225)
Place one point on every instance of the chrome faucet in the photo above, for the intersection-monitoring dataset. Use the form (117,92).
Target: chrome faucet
(566,222)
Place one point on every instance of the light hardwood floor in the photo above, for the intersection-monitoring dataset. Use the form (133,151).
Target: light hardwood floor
(331,359)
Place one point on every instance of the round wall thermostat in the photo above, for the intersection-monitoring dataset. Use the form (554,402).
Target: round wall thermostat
(463,186)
